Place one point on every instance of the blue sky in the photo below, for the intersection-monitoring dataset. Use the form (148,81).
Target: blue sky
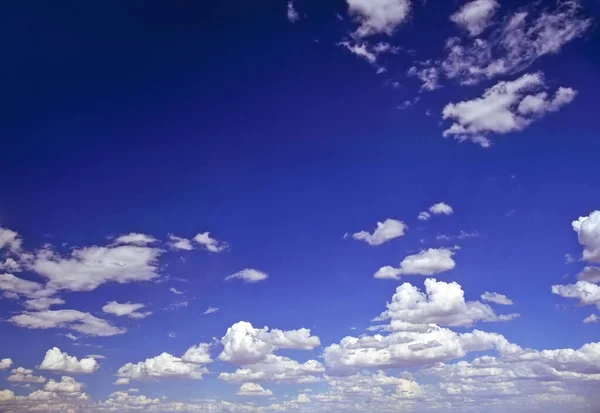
(341,206)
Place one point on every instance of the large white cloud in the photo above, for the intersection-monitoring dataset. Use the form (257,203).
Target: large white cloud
(56,360)
(253,389)
(278,369)
(385,231)
(135,238)
(248,275)
(10,283)
(475,15)
(244,344)
(199,354)
(84,323)
(10,239)
(588,235)
(163,365)
(125,309)
(441,208)
(442,303)
(506,107)
(586,292)
(378,16)
(427,262)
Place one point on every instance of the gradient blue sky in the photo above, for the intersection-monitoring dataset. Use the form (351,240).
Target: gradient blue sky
(160,118)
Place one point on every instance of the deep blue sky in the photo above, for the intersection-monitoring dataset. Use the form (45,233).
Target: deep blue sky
(181,117)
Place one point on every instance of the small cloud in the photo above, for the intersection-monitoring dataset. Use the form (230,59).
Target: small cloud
(292,14)
(175,290)
(211,310)
(249,275)
(569,259)
(592,318)
(172,334)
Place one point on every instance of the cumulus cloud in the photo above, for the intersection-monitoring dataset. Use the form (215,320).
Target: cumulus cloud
(65,385)
(442,303)
(87,268)
(253,389)
(42,303)
(11,284)
(588,235)
(163,365)
(378,16)
(5,363)
(508,106)
(84,323)
(292,14)
(385,231)
(592,318)
(273,368)
(248,275)
(125,309)
(56,360)
(586,292)
(210,244)
(427,262)
(590,274)
(475,15)
(10,240)
(199,354)
(244,344)
(135,239)
(179,243)
(496,298)
(22,375)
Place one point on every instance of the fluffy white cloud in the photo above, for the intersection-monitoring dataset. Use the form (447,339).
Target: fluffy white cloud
(5,363)
(521,40)
(11,284)
(475,15)
(244,344)
(22,375)
(209,243)
(508,106)
(65,385)
(427,262)
(10,239)
(178,243)
(442,304)
(56,360)
(122,401)
(125,309)
(590,274)
(592,318)
(211,310)
(378,16)
(84,323)
(588,235)
(424,216)
(87,268)
(385,231)
(587,293)
(6,395)
(163,365)
(278,369)
(292,14)
(496,298)
(441,208)
(253,389)
(135,239)
(199,354)
(248,275)
(42,303)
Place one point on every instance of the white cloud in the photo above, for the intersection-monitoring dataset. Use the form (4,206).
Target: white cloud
(253,389)
(590,274)
(508,106)
(178,243)
(22,375)
(496,298)
(135,239)
(199,354)
(302,398)
(65,385)
(378,16)
(475,15)
(360,49)
(10,265)
(87,268)
(125,309)
(175,291)
(587,293)
(210,244)
(84,323)
(56,360)
(430,76)
(521,40)
(427,262)
(588,235)
(592,318)
(442,304)
(292,14)
(249,275)
(164,365)
(10,239)
(385,231)
(461,235)
(424,216)
(441,208)
(244,344)
(42,303)
(5,363)
(275,368)
(211,310)
(10,283)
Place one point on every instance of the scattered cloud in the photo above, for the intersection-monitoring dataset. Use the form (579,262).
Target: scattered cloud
(274,368)
(378,17)
(211,310)
(460,235)
(496,298)
(292,14)
(65,385)
(586,292)
(569,259)
(424,216)
(125,309)
(134,238)
(57,361)
(164,365)
(178,243)
(427,262)
(475,15)
(5,363)
(508,106)
(253,389)
(22,375)
(429,76)
(210,244)
(592,318)
(588,235)
(385,231)
(248,275)
(10,239)
(81,322)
